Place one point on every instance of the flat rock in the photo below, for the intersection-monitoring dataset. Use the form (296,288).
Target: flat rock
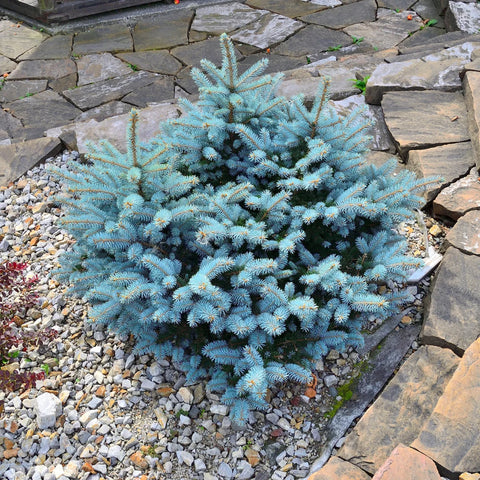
(369,384)
(388,31)
(6,65)
(16,39)
(440,118)
(463,16)
(405,463)
(163,31)
(422,37)
(465,235)
(471,86)
(292,8)
(276,63)
(45,109)
(398,415)
(13,90)
(10,126)
(98,67)
(90,96)
(340,17)
(338,469)
(451,318)
(396,4)
(208,49)
(230,17)
(36,69)
(104,111)
(451,436)
(312,39)
(53,48)
(459,197)
(159,90)
(18,158)
(160,61)
(104,38)
(450,162)
(267,30)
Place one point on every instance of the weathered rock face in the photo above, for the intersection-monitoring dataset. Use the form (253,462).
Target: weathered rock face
(98,67)
(458,198)
(404,463)
(36,69)
(53,48)
(153,61)
(13,90)
(449,162)
(16,39)
(465,235)
(471,84)
(451,436)
(399,413)
(27,155)
(451,317)
(463,16)
(6,65)
(104,38)
(338,469)
(440,118)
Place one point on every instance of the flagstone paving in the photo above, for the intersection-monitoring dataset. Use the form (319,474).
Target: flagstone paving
(423,94)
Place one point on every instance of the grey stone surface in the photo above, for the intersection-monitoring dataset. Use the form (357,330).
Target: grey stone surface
(16,39)
(471,87)
(98,67)
(291,8)
(48,408)
(26,155)
(267,30)
(388,31)
(463,16)
(465,235)
(396,4)
(449,162)
(452,309)
(90,96)
(422,37)
(369,384)
(428,10)
(6,65)
(276,63)
(230,17)
(53,48)
(15,89)
(312,39)
(103,38)
(104,111)
(45,110)
(340,17)
(10,126)
(398,415)
(36,69)
(440,118)
(208,49)
(163,31)
(159,90)
(160,61)
(459,197)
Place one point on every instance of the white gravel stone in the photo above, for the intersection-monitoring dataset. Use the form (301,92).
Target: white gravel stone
(48,408)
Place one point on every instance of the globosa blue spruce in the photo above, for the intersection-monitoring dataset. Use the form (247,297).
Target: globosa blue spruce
(244,242)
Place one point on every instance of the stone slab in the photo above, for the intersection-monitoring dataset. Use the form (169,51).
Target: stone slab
(276,63)
(53,48)
(421,37)
(16,39)
(10,126)
(450,162)
(6,65)
(338,469)
(18,158)
(398,415)
(471,87)
(37,69)
(404,463)
(159,90)
(159,61)
(104,38)
(396,4)
(370,383)
(451,436)
(451,310)
(440,118)
(90,96)
(340,17)
(45,109)
(15,89)
(388,31)
(465,235)
(312,39)
(100,66)
(292,8)
(163,31)
(267,30)
(107,110)
(458,198)
(463,16)
(230,17)
(428,10)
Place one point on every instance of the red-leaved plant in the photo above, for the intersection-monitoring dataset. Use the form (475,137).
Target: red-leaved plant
(16,297)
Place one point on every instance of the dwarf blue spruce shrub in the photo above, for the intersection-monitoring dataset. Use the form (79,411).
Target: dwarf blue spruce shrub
(246,240)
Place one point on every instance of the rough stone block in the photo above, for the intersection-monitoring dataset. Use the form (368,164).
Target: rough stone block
(471,84)
(48,408)
(465,235)
(338,469)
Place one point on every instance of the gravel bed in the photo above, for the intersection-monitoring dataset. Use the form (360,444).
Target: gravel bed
(122,416)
